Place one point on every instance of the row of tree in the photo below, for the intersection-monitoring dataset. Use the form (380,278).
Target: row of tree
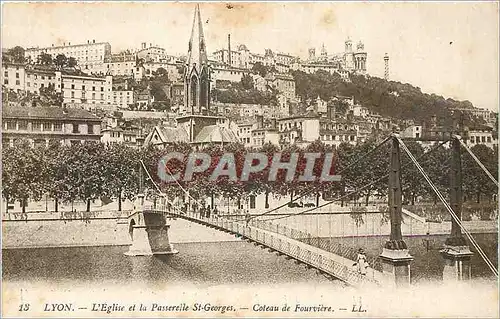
(94,170)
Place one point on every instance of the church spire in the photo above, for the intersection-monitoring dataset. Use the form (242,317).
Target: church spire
(197,54)
(197,76)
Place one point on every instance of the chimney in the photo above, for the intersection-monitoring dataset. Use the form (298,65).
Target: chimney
(88,41)
(229,48)
(150,45)
(143,45)
(69,43)
(93,41)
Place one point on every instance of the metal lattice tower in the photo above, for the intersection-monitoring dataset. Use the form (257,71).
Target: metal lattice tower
(386,61)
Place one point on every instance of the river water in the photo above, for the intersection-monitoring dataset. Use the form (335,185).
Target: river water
(235,273)
(213,263)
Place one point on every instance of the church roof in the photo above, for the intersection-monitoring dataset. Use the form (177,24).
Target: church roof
(166,134)
(215,134)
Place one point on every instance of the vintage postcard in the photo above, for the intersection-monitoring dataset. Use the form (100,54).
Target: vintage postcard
(249,159)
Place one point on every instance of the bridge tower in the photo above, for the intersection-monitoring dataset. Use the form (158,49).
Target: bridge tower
(148,227)
(395,256)
(456,252)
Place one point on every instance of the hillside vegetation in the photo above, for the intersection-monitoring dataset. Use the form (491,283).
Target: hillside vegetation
(388,98)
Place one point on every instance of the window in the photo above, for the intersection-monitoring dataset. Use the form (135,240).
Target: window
(17,75)
(72,86)
(83,87)
(22,125)
(6,74)
(93,96)
(93,88)
(62,85)
(75,128)
(17,82)
(28,84)
(489,139)
(58,127)
(102,89)
(90,129)
(102,96)
(47,126)
(5,81)
(36,126)
(11,125)
(43,77)
(72,94)
(483,139)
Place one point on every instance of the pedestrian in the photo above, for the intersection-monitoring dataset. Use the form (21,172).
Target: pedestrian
(361,262)
(195,208)
(247,217)
(215,211)
(208,211)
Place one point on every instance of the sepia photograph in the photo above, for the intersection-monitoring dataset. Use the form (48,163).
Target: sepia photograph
(249,159)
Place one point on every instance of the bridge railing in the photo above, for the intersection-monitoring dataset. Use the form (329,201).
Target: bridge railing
(263,233)
(322,243)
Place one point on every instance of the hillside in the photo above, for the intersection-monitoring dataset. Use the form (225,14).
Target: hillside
(388,98)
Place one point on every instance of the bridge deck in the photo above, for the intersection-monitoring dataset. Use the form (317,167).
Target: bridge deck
(285,242)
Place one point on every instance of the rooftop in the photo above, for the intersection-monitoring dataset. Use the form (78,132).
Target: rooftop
(51,112)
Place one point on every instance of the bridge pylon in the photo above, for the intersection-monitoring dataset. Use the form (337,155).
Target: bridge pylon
(148,229)
(395,256)
(456,252)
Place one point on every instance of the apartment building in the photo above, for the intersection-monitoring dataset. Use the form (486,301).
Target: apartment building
(40,125)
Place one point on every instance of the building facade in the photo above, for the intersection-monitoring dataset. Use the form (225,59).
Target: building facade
(90,56)
(86,89)
(41,125)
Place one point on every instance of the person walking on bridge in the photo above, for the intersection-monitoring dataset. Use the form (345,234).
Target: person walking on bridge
(361,263)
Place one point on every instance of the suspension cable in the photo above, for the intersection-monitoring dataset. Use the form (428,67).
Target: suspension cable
(477,160)
(315,188)
(447,206)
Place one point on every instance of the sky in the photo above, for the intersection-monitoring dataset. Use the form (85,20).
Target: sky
(446,48)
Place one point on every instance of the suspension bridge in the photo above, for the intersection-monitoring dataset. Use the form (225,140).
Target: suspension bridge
(148,226)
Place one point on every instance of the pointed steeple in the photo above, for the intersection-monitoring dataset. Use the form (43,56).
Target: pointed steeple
(197,52)
(197,76)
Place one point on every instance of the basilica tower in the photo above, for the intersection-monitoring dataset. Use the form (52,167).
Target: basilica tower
(197,74)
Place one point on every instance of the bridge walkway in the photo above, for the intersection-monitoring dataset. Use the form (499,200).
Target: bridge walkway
(284,241)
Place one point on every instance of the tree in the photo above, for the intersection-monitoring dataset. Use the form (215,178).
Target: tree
(87,172)
(22,172)
(72,62)
(17,54)
(161,72)
(60,61)
(475,180)
(259,68)
(49,97)
(45,59)
(246,82)
(121,172)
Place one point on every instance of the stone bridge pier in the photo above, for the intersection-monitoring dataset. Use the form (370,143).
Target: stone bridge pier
(148,231)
